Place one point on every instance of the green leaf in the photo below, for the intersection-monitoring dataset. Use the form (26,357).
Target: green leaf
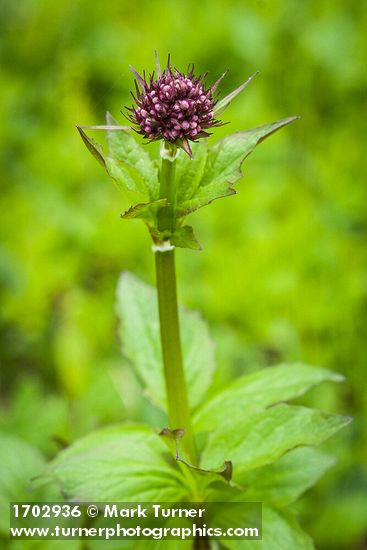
(284,481)
(92,146)
(184,237)
(280,531)
(20,462)
(204,196)
(263,437)
(189,171)
(121,463)
(123,147)
(226,157)
(139,330)
(127,177)
(278,484)
(223,166)
(144,210)
(258,390)
(127,163)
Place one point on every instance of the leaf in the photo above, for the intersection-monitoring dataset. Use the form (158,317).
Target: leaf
(138,310)
(284,481)
(123,147)
(278,484)
(204,196)
(226,157)
(223,165)
(92,146)
(121,463)
(189,172)
(263,437)
(127,162)
(143,210)
(20,462)
(258,390)
(280,531)
(127,177)
(184,237)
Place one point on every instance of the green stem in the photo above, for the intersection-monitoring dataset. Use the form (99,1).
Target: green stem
(176,389)
(166,218)
(178,406)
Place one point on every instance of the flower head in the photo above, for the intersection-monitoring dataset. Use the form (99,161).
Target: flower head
(174,106)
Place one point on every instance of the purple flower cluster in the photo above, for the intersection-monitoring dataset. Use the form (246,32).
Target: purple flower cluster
(175,107)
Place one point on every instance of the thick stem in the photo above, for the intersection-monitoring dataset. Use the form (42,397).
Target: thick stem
(176,389)
(166,218)
(178,406)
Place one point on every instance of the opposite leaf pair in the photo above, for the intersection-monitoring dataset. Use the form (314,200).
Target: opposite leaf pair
(177,109)
(268,442)
(209,175)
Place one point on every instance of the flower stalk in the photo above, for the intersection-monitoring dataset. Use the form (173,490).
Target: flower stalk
(176,388)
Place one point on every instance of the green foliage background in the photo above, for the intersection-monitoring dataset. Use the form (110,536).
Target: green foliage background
(283,273)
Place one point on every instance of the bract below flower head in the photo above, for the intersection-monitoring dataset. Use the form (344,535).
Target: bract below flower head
(173,106)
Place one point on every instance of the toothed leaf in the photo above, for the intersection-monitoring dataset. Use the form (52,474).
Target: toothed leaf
(258,390)
(226,157)
(189,172)
(284,481)
(127,178)
(222,167)
(204,195)
(121,463)
(122,146)
(143,210)
(139,330)
(184,237)
(263,437)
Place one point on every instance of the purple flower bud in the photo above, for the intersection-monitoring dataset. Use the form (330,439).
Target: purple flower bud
(173,106)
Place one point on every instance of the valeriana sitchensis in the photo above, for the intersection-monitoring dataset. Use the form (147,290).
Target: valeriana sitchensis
(178,109)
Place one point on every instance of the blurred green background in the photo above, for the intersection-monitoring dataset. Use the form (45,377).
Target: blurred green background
(283,273)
